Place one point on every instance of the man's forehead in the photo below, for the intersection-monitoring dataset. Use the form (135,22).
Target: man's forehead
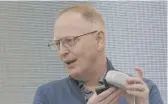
(68,27)
(70,30)
(68,18)
(73,19)
(71,24)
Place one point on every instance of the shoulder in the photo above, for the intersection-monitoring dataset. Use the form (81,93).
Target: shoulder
(52,86)
(154,93)
(149,82)
(151,85)
(48,93)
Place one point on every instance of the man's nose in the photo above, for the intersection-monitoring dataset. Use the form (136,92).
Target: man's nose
(63,50)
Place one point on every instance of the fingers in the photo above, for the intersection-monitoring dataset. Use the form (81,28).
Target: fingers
(136,83)
(112,97)
(139,72)
(139,77)
(138,87)
(115,100)
(116,97)
(137,93)
(104,94)
(133,80)
(138,90)
(108,96)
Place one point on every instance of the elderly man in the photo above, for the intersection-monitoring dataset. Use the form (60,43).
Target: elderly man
(79,38)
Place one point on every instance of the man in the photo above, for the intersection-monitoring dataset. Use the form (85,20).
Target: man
(80,37)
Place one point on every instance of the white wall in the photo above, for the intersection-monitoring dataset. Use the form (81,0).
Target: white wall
(136,36)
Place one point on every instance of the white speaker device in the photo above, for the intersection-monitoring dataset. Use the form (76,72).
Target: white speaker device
(116,78)
(113,78)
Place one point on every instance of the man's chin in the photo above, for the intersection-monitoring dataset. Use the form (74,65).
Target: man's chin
(75,74)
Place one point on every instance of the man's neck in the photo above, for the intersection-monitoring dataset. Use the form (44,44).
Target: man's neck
(99,70)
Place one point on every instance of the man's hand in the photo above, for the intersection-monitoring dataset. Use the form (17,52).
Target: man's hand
(110,96)
(137,89)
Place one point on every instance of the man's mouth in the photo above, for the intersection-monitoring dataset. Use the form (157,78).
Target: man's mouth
(68,62)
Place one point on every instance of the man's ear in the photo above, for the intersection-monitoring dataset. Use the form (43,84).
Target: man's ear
(100,38)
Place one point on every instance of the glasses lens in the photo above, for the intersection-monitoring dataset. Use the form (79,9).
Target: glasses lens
(68,41)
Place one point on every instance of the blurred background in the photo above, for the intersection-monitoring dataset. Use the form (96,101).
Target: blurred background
(136,36)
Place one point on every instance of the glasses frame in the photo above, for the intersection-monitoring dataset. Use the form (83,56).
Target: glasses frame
(54,46)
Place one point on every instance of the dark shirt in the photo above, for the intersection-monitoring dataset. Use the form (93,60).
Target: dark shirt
(67,91)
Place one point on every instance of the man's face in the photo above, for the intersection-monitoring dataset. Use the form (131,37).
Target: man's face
(79,57)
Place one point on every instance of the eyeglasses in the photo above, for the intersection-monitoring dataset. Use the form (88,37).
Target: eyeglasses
(67,42)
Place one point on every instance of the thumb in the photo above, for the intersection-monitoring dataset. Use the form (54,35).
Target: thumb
(91,99)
